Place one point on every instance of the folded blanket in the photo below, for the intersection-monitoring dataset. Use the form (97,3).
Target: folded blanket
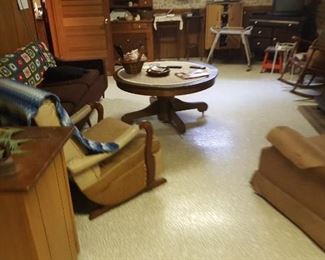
(19,104)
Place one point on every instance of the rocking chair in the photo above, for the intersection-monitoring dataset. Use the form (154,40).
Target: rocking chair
(303,65)
(104,179)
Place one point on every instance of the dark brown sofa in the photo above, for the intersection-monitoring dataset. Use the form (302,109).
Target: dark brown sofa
(75,93)
(76,83)
(291,176)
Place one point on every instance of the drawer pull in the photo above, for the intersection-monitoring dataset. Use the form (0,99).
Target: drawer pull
(274,39)
(290,24)
(256,22)
(258,43)
(259,32)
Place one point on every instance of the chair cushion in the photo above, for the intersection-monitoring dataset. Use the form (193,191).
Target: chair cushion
(113,127)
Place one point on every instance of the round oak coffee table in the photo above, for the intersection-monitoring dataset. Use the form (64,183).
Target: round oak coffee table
(164,89)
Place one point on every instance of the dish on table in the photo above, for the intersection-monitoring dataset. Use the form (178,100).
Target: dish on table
(158,71)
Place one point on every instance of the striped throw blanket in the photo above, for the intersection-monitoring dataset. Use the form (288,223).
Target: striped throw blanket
(19,104)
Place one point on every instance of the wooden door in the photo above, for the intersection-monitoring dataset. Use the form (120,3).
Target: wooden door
(80,29)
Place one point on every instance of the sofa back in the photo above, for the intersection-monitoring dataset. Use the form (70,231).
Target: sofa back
(28,64)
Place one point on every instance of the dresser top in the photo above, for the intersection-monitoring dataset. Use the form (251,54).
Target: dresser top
(45,143)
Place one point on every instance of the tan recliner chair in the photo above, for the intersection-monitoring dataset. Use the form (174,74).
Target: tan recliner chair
(291,176)
(109,179)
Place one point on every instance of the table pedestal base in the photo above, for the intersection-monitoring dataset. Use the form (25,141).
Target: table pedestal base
(165,108)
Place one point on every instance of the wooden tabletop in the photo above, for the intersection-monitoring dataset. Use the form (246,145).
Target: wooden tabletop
(170,85)
(45,144)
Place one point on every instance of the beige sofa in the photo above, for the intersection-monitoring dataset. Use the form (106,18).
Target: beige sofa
(291,176)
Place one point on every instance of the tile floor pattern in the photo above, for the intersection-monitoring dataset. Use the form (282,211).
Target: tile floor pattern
(207,210)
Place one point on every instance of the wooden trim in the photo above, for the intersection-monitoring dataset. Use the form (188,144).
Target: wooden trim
(50,7)
(109,39)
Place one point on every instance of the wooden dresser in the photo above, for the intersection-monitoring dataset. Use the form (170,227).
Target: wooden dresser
(36,217)
(132,35)
(268,30)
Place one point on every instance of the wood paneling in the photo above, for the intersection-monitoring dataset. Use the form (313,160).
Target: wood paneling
(17,27)
(79,31)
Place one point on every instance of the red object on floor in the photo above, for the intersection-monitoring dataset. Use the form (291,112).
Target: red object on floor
(268,60)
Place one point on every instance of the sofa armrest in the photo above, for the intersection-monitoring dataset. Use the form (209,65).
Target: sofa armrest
(86,64)
(78,165)
(297,148)
(84,113)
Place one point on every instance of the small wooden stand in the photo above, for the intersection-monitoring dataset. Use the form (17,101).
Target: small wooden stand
(36,219)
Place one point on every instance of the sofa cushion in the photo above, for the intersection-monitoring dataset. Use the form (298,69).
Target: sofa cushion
(87,79)
(63,73)
(27,65)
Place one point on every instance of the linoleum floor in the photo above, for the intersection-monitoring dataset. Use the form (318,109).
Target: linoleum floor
(207,210)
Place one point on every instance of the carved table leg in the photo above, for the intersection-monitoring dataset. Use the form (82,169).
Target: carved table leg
(176,122)
(150,110)
(179,105)
(165,108)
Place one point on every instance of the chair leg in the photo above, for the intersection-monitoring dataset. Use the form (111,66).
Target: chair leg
(215,41)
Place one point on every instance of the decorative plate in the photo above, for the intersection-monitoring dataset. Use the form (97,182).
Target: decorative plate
(158,71)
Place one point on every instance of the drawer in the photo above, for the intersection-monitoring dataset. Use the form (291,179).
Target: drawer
(125,27)
(284,35)
(120,27)
(138,26)
(262,31)
(260,43)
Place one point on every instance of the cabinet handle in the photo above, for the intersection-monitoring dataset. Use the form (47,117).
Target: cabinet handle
(258,43)
(139,26)
(274,39)
(106,21)
(256,22)
(290,24)
(259,32)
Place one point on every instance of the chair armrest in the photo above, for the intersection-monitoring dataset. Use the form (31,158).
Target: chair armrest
(86,64)
(76,166)
(85,112)
(297,148)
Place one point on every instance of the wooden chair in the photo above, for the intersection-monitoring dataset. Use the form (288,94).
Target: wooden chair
(307,64)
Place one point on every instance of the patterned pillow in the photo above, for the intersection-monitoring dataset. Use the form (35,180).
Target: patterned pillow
(28,64)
